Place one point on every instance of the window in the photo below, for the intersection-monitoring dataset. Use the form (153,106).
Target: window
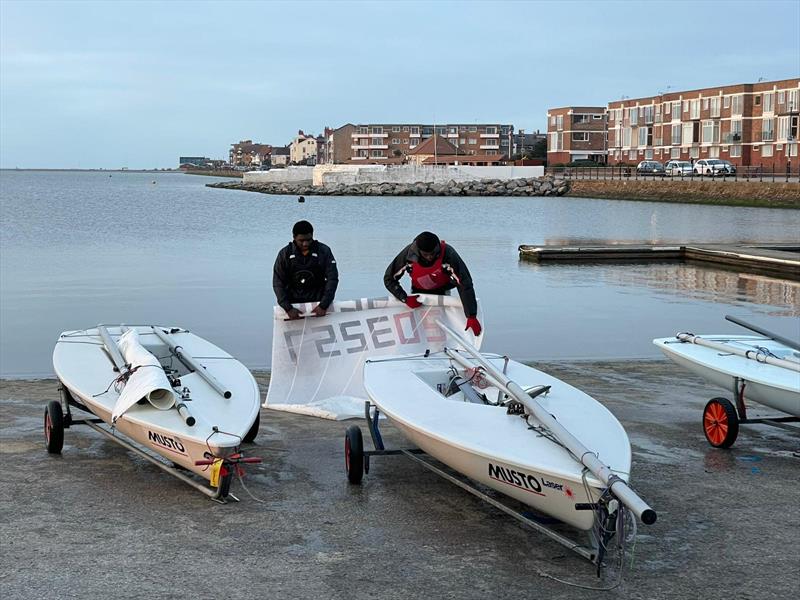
(648,154)
(791,149)
(736,151)
(647,113)
(694,112)
(415,131)
(726,102)
(766,150)
(767,130)
(597,117)
(676,111)
(634,116)
(713,152)
(504,142)
(559,123)
(405,129)
(674,152)
(643,136)
(676,135)
(792,100)
(473,141)
(491,152)
(710,132)
(688,133)
(462,129)
(462,141)
(611,114)
(405,140)
(376,141)
(768,106)
(493,130)
(685,106)
(737,104)
(555,142)
(694,152)
(781,96)
(363,130)
(783,128)
(580,118)
(632,154)
(395,141)
(626,136)
(757,100)
(736,131)
(715,106)
(395,129)
(453,131)
(377,130)
(793,128)
(705,103)
(580,136)
(376,153)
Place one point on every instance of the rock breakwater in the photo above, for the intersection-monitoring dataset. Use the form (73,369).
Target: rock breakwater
(541,186)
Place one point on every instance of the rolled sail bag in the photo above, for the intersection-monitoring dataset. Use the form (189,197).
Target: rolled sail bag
(147,381)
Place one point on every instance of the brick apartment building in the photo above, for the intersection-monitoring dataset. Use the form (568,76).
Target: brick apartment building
(576,133)
(749,124)
(389,143)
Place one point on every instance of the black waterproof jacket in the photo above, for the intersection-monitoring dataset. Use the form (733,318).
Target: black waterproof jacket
(452,263)
(311,278)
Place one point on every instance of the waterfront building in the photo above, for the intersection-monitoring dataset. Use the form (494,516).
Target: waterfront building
(279,156)
(749,124)
(193,161)
(388,143)
(524,143)
(248,154)
(303,149)
(576,133)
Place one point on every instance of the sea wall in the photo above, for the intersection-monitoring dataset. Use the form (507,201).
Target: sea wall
(287,175)
(543,186)
(735,193)
(412,174)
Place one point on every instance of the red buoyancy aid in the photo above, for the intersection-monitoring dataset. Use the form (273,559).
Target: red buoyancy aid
(430,278)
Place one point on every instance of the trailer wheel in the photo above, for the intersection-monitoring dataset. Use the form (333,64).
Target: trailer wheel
(250,436)
(720,423)
(54,427)
(354,454)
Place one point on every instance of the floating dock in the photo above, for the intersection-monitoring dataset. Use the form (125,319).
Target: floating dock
(778,260)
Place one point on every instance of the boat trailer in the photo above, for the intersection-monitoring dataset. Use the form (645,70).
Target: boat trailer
(57,419)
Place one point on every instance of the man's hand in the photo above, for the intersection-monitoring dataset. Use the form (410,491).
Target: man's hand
(475,325)
(319,311)
(412,302)
(294,314)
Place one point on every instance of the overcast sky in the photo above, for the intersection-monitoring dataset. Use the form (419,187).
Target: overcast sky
(136,84)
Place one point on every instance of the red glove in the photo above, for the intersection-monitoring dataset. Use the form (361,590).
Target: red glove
(474,324)
(412,302)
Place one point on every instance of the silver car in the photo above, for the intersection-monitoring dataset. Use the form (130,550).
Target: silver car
(678,168)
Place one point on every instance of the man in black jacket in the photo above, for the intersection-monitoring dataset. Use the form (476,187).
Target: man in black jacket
(305,271)
(435,268)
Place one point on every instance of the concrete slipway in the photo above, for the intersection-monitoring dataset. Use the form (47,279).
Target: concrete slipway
(98,522)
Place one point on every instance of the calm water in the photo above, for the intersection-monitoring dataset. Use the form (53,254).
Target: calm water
(78,249)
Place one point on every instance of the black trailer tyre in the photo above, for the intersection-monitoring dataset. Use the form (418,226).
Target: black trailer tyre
(54,427)
(250,436)
(720,423)
(354,454)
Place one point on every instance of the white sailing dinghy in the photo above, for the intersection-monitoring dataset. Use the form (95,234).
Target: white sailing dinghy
(763,368)
(510,427)
(166,389)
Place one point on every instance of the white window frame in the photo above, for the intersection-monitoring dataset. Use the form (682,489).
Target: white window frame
(736,151)
(580,136)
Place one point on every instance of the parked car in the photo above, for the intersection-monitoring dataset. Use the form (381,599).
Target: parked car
(710,166)
(650,167)
(731,168)
(678,168)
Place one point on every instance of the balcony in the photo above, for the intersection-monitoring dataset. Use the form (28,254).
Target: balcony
(412,134)
(360,135)
(489,135)
(489,146)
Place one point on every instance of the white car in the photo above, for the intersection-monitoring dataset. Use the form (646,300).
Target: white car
(678,168)
(710,166)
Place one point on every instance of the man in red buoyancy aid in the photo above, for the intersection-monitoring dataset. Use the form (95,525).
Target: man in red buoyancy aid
(435,268)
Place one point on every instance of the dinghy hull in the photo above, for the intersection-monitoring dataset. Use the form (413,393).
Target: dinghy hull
(85,369)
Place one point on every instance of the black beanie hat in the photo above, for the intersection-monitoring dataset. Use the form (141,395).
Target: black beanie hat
(427,241)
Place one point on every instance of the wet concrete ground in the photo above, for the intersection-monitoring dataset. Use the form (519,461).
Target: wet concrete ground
(100,522)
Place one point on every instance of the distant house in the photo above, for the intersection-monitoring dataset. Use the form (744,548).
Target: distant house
(280,156)
(303,149)
(248,154)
